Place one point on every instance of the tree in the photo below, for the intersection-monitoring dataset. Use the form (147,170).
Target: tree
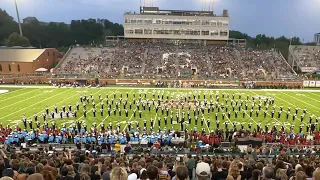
(16,40)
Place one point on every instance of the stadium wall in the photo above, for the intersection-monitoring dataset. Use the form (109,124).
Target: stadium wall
(146,82)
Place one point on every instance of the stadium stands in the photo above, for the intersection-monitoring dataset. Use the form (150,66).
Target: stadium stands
(158,60)
(306,57)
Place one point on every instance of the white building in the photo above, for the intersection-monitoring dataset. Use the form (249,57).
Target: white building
(154,24)
(317,38)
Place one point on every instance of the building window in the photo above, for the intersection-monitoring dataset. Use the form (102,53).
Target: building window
(127,21)
(0,67)
(18,66)
(147,31)
(138,31)
(223,33)
(204,33)
(48,54)
(129,31)
(9,67)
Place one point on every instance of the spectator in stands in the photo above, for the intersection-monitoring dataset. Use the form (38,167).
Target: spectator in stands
(220,173)
(203,171)
(181,173)
(281,174)
(118,173)
(152,172)
(35,176)
(268,173)
(316,175)
(256,175)
(234,170)
(191,164)
(163,173)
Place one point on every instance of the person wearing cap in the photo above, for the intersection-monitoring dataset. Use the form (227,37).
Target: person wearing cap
(203,171)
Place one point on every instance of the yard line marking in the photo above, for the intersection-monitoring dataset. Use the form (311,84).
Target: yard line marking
(49,108)
(34,104)
(102,121)
(311,98)
(17,95)
(314,94)
(22,100)
(10,91)
(128,121)
(301,101)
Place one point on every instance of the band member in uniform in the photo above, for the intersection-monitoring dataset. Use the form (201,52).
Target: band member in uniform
(47,110)
(101,111)
(56,109)
(84,113)
(94,112)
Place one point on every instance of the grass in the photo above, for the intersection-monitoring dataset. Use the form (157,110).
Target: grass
(30,101)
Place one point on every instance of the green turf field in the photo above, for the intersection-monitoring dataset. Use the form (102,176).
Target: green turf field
(30,101)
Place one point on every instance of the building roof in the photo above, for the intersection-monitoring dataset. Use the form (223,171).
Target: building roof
(19,55)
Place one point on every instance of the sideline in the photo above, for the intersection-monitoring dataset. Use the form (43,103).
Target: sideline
(155,88)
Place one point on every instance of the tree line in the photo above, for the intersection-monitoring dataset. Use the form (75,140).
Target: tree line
(92,31)
(42,35)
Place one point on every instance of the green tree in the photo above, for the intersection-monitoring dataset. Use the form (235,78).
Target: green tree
(16,40)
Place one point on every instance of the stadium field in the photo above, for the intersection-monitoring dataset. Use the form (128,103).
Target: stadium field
(18,102)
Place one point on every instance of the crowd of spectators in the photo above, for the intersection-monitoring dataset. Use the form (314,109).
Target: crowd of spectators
(151,60)
(80,165)
(307,56)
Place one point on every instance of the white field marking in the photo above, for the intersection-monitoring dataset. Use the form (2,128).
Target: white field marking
(8,92)
(181,89)
(103,121)
(128,121)
(11,104)
(301,101)
(3,92)
(34,104)
(267,114)
(50,107)
(155,120)
(205,121)
(90,109)
(130,116)
(314,94)
(276,106)
(17,95)
(311,98)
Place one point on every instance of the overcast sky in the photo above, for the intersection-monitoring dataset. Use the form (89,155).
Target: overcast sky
(270,17)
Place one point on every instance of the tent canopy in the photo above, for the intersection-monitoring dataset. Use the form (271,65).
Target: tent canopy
(41,70)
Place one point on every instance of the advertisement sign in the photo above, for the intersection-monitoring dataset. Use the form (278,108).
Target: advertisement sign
(312,84)
(305,83)
(308,69)
(318,84)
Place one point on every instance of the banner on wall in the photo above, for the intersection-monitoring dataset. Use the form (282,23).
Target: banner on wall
(318,84)
(312,84)
(305,83)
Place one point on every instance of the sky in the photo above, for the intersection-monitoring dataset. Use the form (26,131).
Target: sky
(271,17)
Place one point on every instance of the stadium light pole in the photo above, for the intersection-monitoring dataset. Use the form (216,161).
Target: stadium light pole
(15,2)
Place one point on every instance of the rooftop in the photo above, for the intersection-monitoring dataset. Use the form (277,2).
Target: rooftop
(158,11)
(19,55)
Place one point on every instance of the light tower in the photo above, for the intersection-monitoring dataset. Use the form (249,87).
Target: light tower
(15,2)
